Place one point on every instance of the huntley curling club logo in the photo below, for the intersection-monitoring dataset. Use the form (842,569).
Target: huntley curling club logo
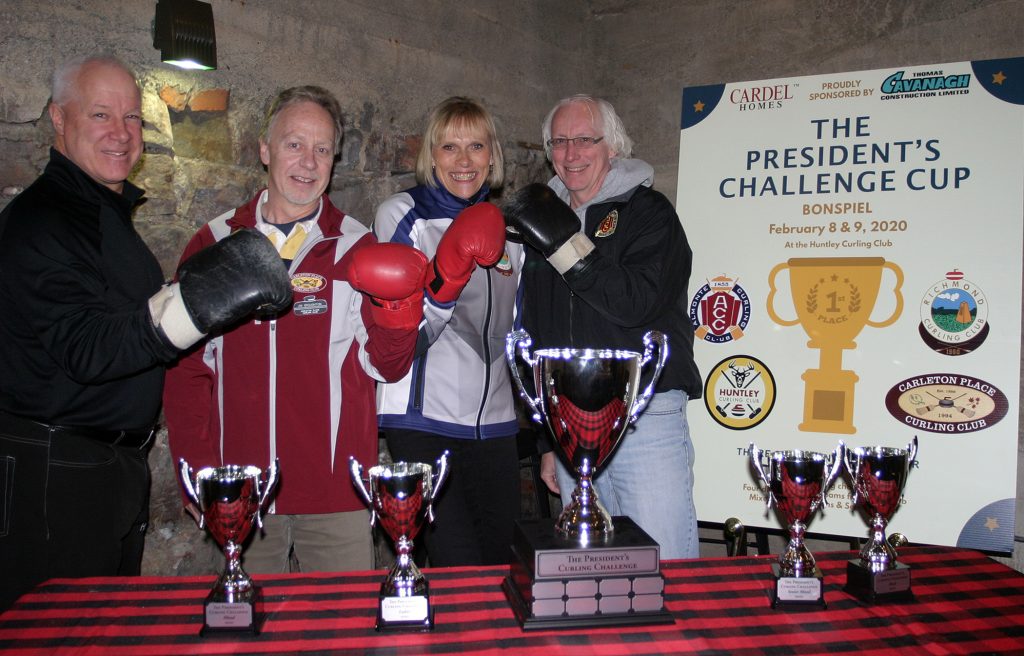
(739,393)
(720,311)
(946,403)
(954,315)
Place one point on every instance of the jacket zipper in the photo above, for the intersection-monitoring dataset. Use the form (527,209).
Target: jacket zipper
(485,333)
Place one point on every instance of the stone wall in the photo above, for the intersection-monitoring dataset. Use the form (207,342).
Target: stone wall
(389,61)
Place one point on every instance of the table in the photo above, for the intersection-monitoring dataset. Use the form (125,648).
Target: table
(966,603)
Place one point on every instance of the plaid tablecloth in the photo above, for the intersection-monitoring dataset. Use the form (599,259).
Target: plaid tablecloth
(966,603)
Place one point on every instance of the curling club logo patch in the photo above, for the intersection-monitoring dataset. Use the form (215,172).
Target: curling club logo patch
(720,311)
(739,393)
(954,315)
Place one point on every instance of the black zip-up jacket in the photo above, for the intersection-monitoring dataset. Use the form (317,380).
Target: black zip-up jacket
(636,282)
(77,345)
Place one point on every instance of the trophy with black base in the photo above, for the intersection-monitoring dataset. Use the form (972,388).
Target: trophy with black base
(879,474)
(401,497)
(583,570)
(796,483)
(228,501)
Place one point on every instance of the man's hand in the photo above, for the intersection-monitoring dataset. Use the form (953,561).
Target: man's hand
(546,223)
(476,237)
(547,471)
(391,278)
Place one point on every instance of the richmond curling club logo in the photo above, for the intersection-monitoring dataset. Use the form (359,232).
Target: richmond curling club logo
(720,311)
(739,393)
(954,315)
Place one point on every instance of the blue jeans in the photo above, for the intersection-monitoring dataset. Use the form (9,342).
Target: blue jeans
(650,476)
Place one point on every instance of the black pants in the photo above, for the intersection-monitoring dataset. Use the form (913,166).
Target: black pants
(70,507)
(477,507)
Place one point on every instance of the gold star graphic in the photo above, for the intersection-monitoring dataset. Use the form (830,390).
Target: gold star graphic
(991,523)
(998,78)
(698,106)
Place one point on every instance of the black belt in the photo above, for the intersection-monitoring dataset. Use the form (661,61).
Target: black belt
(129,439)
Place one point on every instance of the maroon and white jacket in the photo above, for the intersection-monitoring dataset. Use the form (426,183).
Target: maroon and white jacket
(299,388)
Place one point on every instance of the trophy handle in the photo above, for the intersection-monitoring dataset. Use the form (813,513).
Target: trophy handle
(771,297)
(912,450)
(269,483)
(185,475)
(356,470)
(522,339)
(899,297)
(651,338)
(853,464)
(437,479)
(755,461)
(838,457)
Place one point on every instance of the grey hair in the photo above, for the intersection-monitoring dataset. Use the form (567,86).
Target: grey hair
(65,75)
(309,93)
(605,119)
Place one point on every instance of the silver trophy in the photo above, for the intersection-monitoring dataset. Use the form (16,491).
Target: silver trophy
(796,483)
(228,501)
(878,475)
(401,497)
(587,398)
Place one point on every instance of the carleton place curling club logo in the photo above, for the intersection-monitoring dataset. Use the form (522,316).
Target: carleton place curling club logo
(946,403)
(720,311)
(954,315)
(739,393)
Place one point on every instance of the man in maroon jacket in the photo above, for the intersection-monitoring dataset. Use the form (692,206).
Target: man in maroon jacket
(299,386)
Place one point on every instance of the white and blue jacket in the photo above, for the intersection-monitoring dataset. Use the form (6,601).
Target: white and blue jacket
(459,385)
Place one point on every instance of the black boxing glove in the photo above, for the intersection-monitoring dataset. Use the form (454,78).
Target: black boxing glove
(546,223)
(219,286)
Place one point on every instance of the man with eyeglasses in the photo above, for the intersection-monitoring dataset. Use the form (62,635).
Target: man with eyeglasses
(610,261)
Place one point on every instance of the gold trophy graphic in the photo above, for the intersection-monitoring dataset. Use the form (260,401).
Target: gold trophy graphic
(833,297)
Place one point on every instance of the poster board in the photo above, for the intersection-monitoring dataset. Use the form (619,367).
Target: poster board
(857,244)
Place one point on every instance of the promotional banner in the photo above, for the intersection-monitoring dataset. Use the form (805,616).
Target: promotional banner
(857,242)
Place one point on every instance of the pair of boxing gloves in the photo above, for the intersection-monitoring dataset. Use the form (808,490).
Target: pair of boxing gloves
(243,274)
(390,273)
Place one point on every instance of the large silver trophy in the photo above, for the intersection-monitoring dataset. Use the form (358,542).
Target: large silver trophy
(585,570)
(878,475)
(401,497)
(587,398)
(796,483)
(228,501)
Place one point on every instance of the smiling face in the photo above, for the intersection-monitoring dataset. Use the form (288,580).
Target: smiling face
(299,154)
(581,169)
(462,160)
(100,127)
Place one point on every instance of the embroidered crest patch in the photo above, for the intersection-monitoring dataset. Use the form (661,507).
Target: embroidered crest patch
(608,224)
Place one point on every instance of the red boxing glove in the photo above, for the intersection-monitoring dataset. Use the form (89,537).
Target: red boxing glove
(391,276)
(475,237)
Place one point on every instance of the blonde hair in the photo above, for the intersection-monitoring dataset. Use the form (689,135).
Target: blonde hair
(458,114)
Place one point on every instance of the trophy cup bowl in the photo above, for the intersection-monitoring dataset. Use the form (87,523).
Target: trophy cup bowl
(796,483)
(401,498)
(587,399)
(228,501)
(879,475)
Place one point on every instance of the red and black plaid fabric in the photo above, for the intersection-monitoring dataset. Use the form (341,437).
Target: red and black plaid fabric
(965,603)
(400,516)
(592,430)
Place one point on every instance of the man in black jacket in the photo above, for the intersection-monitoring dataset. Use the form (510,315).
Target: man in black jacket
(609,262)
(86,324)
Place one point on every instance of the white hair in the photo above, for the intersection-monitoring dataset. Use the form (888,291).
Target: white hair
(605,119)
(65,76)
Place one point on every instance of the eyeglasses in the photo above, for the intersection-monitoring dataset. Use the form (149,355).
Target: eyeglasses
(558,143)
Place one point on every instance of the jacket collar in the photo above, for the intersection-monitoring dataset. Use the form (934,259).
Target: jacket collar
(329,222)
(68,174)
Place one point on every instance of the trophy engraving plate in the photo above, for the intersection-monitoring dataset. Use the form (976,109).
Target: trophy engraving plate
(222,615)
(878,587)
(404,609)
(800,590)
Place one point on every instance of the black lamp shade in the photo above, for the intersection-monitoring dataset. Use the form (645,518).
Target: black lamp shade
(183,33)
